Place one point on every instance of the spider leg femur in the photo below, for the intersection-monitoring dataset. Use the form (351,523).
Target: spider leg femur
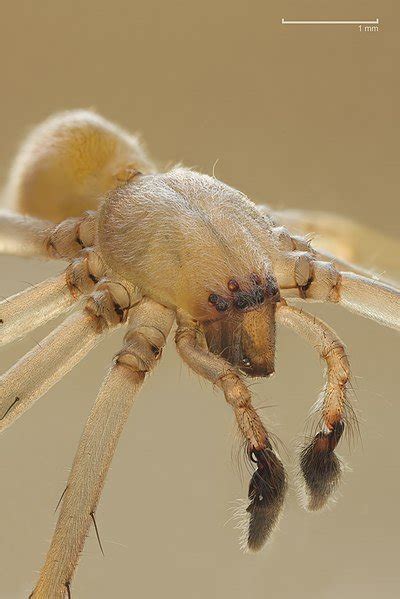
(149,326)
(268,484)
(28,236)
(366,296)
(24,235)
(369,297)
(342,239)
(302,276)
(27,310)
(36,372)
(320,467)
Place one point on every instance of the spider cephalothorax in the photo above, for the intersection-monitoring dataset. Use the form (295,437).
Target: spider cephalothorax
(232,293)
(145,250)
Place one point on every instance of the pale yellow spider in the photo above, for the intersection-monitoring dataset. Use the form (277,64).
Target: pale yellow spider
(146,249)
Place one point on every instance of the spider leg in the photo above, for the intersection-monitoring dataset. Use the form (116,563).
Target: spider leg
(36,372)
(320,467)
(297,247)
(268,484)
(150,324)
(23,235)
(342,265)
(340,237)
(371,298)
(368,297)
(27,310)
(301,275)
(27,236)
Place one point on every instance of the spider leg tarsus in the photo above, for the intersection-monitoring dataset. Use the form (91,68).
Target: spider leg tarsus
(267,491)
(321,468)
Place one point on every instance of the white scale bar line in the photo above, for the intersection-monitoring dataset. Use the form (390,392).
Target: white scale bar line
(284,22)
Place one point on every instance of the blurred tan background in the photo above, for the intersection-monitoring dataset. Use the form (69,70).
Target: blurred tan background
(301,116)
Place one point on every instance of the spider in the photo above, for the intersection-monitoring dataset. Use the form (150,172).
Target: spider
(147,249)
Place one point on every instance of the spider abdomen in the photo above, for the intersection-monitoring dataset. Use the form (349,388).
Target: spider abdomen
(68,162)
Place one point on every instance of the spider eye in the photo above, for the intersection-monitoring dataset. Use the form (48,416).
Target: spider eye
(233,285)
(242,301)
(222,305)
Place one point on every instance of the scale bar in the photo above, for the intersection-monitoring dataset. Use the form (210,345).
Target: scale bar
(284,22)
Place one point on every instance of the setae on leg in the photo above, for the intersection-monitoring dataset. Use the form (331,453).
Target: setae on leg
(150,324)
(29,309)
(35,373)
(268,484)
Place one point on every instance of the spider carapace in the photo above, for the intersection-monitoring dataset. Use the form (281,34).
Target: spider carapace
(148,249)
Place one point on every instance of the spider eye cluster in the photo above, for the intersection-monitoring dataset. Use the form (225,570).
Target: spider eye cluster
(221,305)
(246,300)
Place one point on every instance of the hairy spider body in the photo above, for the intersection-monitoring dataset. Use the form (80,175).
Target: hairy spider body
(147,249)
(152,232)
(68,162)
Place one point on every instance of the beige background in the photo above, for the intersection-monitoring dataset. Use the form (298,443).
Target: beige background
(298,116)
